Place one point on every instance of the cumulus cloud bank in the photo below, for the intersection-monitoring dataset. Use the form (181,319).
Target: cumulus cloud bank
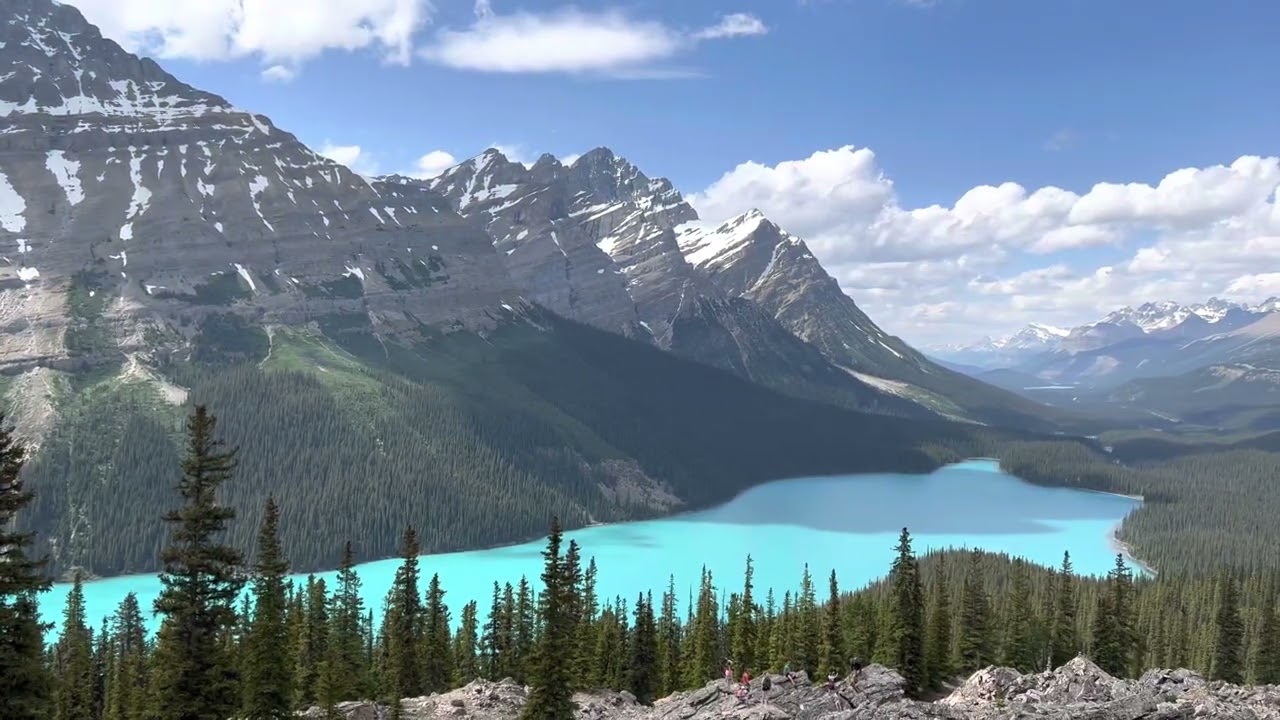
(1004,255)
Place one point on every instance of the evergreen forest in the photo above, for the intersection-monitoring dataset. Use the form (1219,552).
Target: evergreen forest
(286,646)
(475,441)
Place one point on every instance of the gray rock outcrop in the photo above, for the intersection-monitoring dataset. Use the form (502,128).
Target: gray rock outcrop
(1079,690)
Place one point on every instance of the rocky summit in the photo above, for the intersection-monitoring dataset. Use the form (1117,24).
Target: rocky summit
(599,241)
(1079,690)
(132,197)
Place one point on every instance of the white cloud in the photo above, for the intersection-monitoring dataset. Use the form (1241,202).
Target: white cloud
(1003,255)
(353,156)
(280,34)
(279,73)
(574,41)
(432,164)
(733,25)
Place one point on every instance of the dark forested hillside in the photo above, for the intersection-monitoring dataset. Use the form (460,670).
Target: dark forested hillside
(474,440)
(1201,513)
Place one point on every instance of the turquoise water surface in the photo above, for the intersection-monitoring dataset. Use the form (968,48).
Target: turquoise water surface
(849,523)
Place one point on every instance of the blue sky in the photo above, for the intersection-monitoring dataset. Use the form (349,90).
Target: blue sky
(949,95)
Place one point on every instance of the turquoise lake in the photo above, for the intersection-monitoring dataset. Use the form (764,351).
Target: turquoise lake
(848,523)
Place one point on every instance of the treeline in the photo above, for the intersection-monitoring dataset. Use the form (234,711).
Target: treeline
(1201,512)
(286,647)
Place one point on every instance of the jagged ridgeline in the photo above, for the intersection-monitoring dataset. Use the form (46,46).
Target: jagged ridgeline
(381,360)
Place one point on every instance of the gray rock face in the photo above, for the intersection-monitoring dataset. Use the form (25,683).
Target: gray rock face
(1078,690)
(592,241)
(167,202)
(596,241)
(750,256)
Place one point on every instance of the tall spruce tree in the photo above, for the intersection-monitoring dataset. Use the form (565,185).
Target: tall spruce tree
(25,684)
(437,647)
(938,661)
(642,675)
(742,641)
(267,682)
(74,661)
(1063,642)
(1266,654)
(1018,644)
(975,621)
(523,626)
(465,664)
(195,677)
(312,648)
(669,637)
(551,694)
(831,656)
(907,629)
(126,691)
(1228,644)
(347,644)
(403,621)
(1113,635)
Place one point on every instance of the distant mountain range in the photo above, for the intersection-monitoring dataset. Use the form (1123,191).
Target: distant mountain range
(1163,319)
(1215,363)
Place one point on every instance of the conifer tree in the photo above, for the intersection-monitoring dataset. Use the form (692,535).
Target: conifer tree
(126,691)
(669,637)
(938,662)
(201,581)
(522,627)
(584,660)
(975,613)
(347,643)
(1063,638)
(832,655)
(1228,645)
(25,685)
(1113,636)
(907,629)
(403,620)
(73,660)
(491,643)
(808,624)
(465,661)
(312,647)
(1018,648)
(642,675)
(551,695)
(267,683)
(743,637)
(702,653)
(437,647)
(1266,659)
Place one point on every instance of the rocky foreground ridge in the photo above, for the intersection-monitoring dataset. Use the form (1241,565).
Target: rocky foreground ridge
(1079,690)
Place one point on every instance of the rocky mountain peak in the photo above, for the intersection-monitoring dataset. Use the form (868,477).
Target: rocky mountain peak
(608,177)
(487,176)
(120,182)
(57,64)
(547,169)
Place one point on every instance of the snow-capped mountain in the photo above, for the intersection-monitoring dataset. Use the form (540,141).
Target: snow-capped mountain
(118,180)
(599,241)
(1163,319)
